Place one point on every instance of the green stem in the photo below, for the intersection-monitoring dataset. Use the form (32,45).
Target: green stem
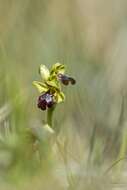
(50,116)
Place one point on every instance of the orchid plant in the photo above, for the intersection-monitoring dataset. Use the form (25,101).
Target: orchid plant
(50,88)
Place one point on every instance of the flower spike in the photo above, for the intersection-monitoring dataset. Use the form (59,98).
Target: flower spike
(50,86)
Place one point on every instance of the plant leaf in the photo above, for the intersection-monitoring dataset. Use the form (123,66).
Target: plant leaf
(42,133)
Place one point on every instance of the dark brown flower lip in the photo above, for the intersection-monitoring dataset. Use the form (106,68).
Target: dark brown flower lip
(45,100)
(73,81)
(66,79)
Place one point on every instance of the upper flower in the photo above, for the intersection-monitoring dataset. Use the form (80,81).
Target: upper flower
(50,87)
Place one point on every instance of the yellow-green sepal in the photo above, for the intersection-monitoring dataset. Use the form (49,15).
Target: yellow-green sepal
(44,72)
(42,87)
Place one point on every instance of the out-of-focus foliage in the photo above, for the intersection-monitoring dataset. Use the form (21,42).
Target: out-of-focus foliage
(90,37)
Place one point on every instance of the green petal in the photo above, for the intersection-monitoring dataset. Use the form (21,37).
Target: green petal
(40,86)
(44,72)
(57,68)
(53,83)
(60,97)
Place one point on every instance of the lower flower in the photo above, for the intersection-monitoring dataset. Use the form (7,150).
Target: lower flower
(45,100)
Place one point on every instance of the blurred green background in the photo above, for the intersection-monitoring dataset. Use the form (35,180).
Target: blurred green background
(90,37)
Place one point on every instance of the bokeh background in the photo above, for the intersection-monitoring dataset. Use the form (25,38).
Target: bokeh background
(90,37)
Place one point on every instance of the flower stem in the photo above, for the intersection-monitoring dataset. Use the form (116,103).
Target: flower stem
(50,116)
